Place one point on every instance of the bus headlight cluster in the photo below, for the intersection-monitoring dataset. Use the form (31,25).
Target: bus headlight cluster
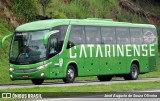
(11,69)
(43,66)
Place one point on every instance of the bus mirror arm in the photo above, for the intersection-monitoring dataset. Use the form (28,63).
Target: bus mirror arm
(4,38)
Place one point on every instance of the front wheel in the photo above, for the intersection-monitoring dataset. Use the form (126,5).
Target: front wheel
(71,74)
(134,72)
(37,81)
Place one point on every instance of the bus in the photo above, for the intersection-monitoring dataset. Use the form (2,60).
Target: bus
(70,48)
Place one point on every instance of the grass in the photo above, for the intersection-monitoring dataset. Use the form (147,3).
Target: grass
(92,88)
(87,89)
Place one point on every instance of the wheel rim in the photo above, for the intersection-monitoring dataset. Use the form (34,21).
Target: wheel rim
(134,72)
(70,74)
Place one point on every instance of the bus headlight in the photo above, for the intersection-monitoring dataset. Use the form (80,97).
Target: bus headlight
(42,74)
(43,66)
(11,76)
(11,69)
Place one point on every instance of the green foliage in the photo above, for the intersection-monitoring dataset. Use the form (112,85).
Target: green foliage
(124,16)
(158,33)
(57,15)
(5,29)
(24,10)
(44,4)
(84,8)
(149,5)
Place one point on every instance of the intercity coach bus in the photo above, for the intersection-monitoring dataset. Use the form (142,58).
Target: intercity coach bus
(69,48)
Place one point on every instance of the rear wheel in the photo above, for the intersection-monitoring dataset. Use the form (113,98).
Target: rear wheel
(71,74)
(105,77)
(37,81)
(133,75)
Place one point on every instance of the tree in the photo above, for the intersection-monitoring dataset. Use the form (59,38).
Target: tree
(44,4)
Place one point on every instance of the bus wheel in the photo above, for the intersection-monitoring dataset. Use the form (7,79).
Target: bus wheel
(37,81)
(133,75)
(71,74)
(105,77)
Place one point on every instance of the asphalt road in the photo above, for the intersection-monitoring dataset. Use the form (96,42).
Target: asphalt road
(93,97)
(77,83)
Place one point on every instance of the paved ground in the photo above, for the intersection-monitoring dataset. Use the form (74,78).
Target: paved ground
(97,97)
(77,83)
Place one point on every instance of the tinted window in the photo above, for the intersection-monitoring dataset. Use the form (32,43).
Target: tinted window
(122,35)
(149,35)
(76,36)
(57,40)
(93,35)
(62,31)
(136,35)
(108,35)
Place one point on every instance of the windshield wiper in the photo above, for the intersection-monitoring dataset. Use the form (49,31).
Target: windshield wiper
(17,57)
(26,50)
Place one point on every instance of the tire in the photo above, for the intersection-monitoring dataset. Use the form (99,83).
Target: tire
(134,72)
(105,78)
(37,81)
(71,74)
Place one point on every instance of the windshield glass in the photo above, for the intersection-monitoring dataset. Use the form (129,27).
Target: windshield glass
(27,47)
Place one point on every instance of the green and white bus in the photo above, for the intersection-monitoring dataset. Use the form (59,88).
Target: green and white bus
(69,48)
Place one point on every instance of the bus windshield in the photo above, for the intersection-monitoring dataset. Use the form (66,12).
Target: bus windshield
(28,47)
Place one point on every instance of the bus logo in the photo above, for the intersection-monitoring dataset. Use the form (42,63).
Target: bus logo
(149,37)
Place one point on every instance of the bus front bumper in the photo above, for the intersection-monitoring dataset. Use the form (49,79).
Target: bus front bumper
(29,74)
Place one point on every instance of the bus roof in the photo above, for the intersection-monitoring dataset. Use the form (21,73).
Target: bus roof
(46,24)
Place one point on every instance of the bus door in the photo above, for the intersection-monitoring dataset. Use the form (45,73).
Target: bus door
(75,45)
(54,49)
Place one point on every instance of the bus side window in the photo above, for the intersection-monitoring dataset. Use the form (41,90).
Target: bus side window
(122,35)
(108,35)
(53,45)
(149,35)
(76,36)
(56,40)
(136,35)
(93,35)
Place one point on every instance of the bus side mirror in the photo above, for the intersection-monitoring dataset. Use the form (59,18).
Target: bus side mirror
(4,38)
(47,35)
